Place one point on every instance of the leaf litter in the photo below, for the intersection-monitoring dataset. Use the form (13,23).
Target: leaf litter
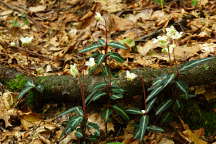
(62,28)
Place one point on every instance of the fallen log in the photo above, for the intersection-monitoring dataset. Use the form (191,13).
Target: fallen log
(65,88)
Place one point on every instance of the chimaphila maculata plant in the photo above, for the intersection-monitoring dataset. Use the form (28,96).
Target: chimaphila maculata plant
(108,88)
(160,83)
(85,131)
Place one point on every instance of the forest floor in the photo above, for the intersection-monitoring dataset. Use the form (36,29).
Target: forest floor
(57,30)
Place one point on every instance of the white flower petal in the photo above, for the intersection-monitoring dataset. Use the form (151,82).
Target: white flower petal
(90,62)
(130,76)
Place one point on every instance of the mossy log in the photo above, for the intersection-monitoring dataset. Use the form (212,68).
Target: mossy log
(65,88)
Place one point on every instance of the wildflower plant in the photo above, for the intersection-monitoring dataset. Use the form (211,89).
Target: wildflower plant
(85,131)
(108,88)
(168,41)
(159,84)
(104,53)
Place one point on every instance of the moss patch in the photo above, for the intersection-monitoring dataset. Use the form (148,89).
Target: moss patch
(17,83)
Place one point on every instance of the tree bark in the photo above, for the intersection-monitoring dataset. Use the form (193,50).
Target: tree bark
(65,88)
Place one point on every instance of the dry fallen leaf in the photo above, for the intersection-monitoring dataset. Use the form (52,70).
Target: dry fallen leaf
(38,8)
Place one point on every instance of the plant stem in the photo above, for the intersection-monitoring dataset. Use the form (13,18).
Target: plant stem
(85,118)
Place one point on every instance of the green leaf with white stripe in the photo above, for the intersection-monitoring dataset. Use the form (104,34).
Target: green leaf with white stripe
(95,127)
(116,57)
(91,47)
(100,58)
(116,96)
(143,124)
(106,114)
(117,45)
(156,83)
(183,87)
(150,104)
(102,42)
(78,133)
(72,124)
(118,90)
(154,93)
(89,97)
(167,80)
(164,106)
(92,125)
(134,111)
(98,96)
(106,70)
(24,92)
(121,112)
(78,110)
(193,63)
(100,85)
(39,88)
(154,128)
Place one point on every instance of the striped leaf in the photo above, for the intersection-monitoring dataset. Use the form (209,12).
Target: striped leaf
(92,125)
(164,106)
(102,42)
(143,124)
(154,93)
(106,70)
(150,104)
(183,87)
(95,127)
(116,57)
(133,111)
(28,87)
(155,128)
(89,97)
(98,95)
(193,63)
(100,85)
(117,45)
(78,133)
(106,114)
(121,112)
(156,83)
(39,88)
(118,90)
(91,47)
(72,124)
(24,91)
(116,96)
(100,58)
(168,80)
(77,110)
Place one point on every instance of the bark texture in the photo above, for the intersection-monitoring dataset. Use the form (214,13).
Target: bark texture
(65,88)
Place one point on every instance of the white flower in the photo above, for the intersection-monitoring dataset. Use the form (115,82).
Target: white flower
(173,33)
(130,76)
(12,44)
(98,16)
(73,70)
(143,111)
(90,62)
(162,40)
(26,40)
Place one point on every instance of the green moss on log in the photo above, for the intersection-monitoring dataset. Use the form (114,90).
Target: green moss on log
(17,83)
